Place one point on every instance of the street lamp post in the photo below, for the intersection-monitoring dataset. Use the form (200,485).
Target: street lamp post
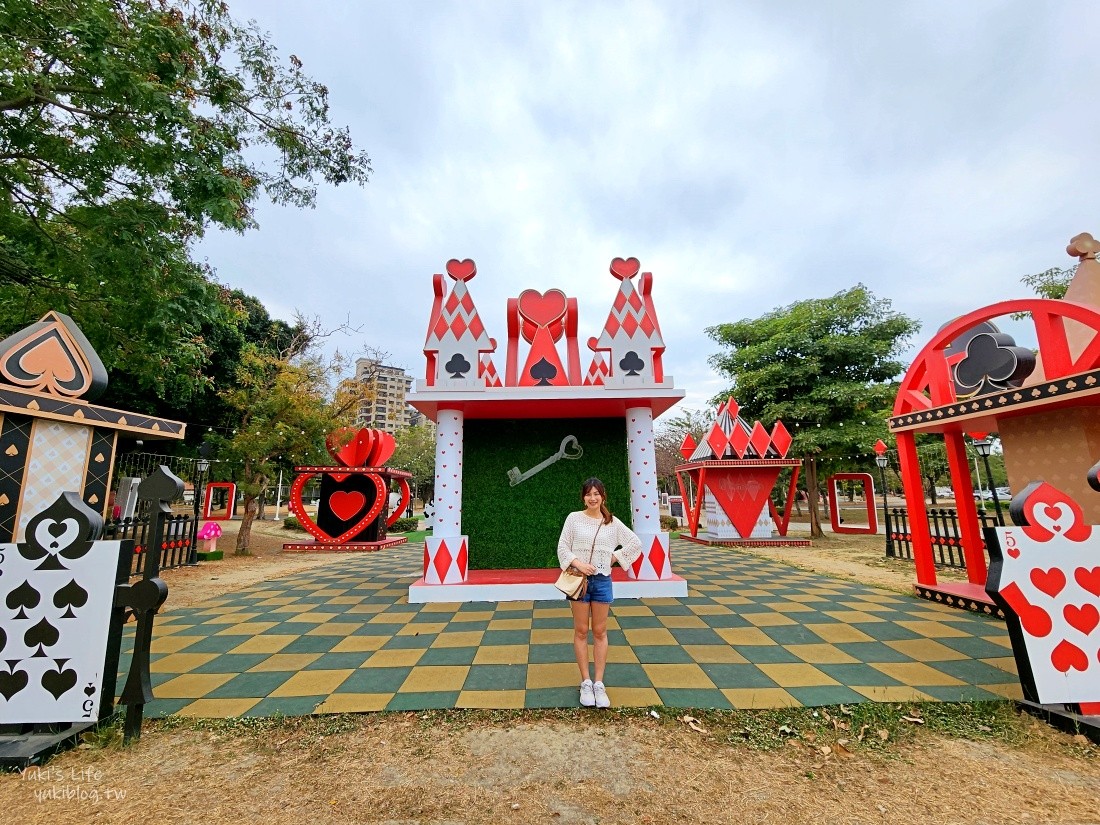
(984,447)
(883,461)
(201,467)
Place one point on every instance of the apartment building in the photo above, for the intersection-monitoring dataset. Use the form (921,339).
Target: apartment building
(387,410)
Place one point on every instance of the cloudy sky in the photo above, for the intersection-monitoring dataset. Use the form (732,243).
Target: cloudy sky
(749,154)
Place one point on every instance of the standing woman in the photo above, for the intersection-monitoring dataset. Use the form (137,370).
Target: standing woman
(590,540)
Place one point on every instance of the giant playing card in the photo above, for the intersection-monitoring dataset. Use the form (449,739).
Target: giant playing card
(1045,574)
(56,592)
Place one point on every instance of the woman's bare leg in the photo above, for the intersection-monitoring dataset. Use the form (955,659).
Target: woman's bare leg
(581,621)
(599,637)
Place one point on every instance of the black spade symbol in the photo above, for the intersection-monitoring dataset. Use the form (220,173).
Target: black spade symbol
(66,528)
(42,635)
(458,366)
(3,639)
(543,372)
(59,681)
(21,598)
(12,683)
(631,363)
(70,596)
(89,689)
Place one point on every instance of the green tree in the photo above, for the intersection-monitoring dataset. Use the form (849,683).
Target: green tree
(287,400)
(1051,283)
(129,127)
(416,453)
(669,437)
(825,367)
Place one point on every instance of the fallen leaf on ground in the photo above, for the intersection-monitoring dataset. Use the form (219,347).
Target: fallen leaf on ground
(883,734)
(693,723)
(862,731)
(916,720)
(825,749)
(843,752)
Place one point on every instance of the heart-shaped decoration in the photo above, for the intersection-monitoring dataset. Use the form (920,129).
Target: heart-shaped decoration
(1050,581)
(1088,579)
(1084,617)
(384,445)
(542,309)
(307,521)
(406,494)
(346,503)
(624,268)
(1014,552)
(461,270)
(1068,655)
(351,447)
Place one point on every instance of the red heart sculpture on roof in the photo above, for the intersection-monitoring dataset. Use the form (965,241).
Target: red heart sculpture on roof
(625,268)
(384,445)
(542,310)
(461,270)
(350,447)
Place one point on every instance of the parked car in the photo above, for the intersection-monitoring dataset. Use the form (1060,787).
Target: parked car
(1003,493)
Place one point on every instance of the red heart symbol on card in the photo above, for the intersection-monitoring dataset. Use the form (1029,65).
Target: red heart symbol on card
(461,270)
(1050,581)
(623,268)
(1084,617)
(307,521)
(1088,579)
(542,310)
(1034,620)
(1014,552)
(346,503)
(1068,655)
(384,445)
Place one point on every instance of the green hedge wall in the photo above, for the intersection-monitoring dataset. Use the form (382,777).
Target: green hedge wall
(518,527)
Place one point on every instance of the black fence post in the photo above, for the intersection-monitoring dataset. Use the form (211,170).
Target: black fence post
(146,596)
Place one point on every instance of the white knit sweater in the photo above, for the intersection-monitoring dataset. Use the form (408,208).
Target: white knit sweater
(577,537)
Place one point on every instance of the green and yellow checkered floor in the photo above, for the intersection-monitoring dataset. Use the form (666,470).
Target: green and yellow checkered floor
(751,633)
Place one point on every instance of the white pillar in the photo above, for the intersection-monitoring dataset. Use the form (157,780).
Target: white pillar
(448,474)
(446,556)
(644,504)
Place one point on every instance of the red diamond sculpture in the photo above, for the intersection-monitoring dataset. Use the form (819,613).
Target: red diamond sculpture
(760,439)
(781,439)
(739,439)
(442,560)
(688,447)
(717,441)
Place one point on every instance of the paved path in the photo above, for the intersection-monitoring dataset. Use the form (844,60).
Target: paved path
(751,633)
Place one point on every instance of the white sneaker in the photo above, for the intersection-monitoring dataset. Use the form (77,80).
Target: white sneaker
(587,697)
(600,695)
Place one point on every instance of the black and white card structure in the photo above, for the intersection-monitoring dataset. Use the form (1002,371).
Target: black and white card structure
(56,592)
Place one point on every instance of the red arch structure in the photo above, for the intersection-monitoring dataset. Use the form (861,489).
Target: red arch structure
(1066,377)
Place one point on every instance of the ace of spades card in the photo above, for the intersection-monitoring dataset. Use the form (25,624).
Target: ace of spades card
(56,592)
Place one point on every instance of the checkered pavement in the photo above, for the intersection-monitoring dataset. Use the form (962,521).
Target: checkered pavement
(751,633)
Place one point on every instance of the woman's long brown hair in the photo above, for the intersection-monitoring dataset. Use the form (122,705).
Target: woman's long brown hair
(597,485)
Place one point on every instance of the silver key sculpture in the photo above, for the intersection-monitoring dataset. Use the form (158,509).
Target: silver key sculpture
(569,449)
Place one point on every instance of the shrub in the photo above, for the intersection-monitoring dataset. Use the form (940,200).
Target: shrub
(669,523)
(405,525)
(292,523)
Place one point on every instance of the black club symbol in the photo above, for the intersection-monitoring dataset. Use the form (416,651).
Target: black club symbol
(631,363)
(457,366)
(993,363)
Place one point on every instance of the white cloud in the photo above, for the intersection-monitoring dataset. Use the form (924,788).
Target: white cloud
(748,156)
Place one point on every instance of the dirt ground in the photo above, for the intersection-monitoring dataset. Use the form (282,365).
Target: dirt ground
(866,764)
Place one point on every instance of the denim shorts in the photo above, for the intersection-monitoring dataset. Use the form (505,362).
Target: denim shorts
(599,590)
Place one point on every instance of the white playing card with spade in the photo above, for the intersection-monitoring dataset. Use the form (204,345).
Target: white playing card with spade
(56,592)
